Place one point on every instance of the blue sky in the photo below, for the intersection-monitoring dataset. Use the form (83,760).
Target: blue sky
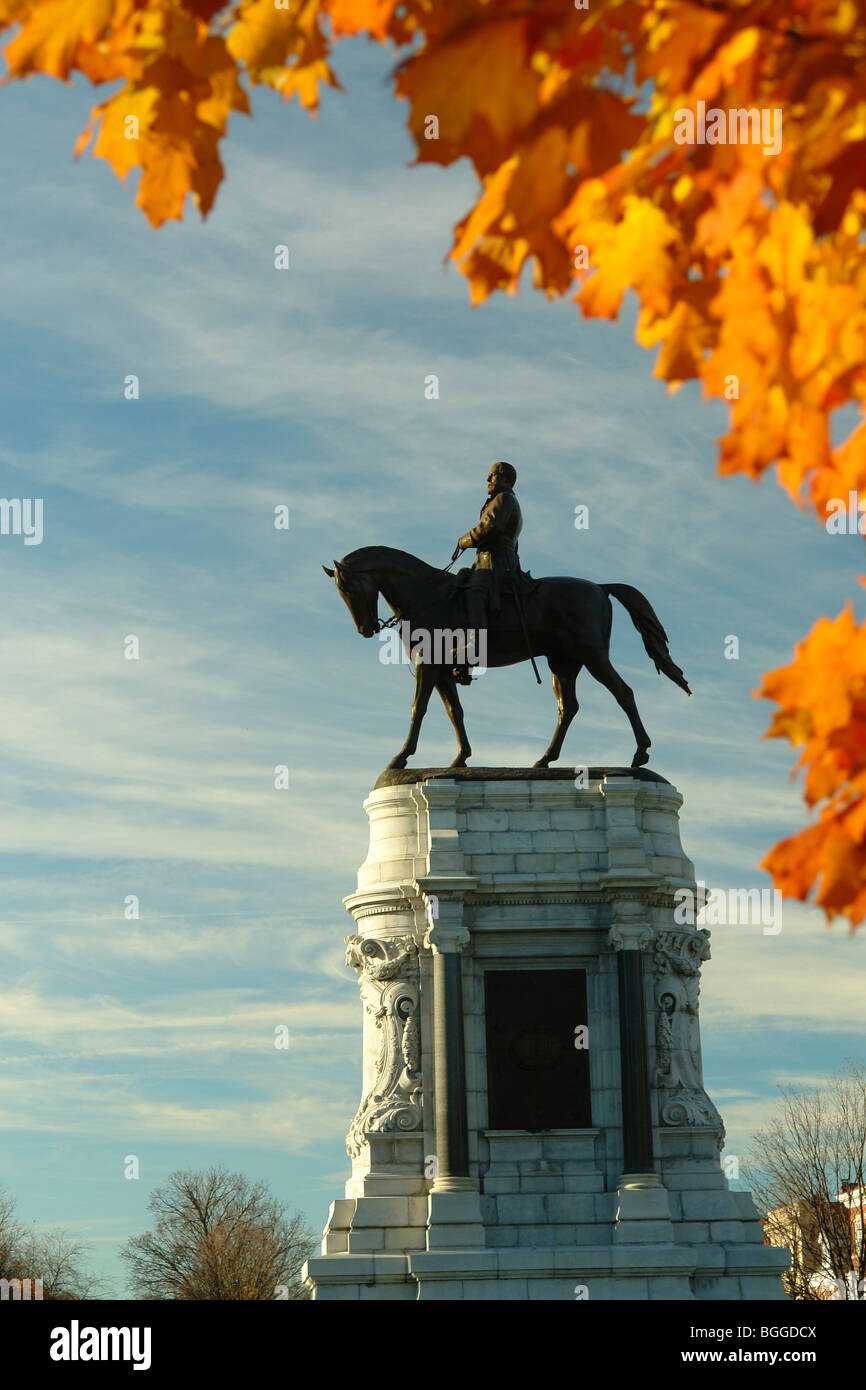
(155,777)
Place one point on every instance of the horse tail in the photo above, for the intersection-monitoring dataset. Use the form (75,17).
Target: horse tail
(655,639)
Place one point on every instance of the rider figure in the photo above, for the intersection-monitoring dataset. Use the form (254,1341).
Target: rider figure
(495,541)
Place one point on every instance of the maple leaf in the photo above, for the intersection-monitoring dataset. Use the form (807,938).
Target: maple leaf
(822,710)
(629,254)
(52,34)
(282,48)
(373,17)
(481,90)
(167,120)
(683,335)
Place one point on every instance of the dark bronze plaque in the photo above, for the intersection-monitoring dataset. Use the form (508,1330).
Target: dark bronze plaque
(536,1077)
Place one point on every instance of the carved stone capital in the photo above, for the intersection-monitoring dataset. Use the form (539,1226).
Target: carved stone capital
(680,950)
(443,899)
(630,936)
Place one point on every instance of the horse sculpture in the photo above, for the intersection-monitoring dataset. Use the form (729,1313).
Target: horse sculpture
(568,621)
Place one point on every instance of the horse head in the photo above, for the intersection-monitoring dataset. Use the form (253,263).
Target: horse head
(360,595)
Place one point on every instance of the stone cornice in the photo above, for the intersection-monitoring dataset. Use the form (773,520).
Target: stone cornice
(543,895)
(404,897)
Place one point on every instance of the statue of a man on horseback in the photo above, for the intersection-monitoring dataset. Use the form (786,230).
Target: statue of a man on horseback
(567,621)
(494,540)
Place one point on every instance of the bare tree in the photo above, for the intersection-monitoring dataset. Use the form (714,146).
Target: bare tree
(51,1257)
(218,1236)
(11,1232)
(808,1171)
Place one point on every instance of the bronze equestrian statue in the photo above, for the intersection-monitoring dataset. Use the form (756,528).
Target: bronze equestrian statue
(568,621)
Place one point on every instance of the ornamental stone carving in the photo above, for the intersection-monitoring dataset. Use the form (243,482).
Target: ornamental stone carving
(677,960)
(388,980)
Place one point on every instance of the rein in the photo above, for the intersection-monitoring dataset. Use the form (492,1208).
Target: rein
(390,622)
(398,617)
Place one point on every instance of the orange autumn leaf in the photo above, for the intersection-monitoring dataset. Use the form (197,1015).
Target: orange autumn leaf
(683,336)
(630,254)
(52,35)
(822,710)
(482,90)
(168,119)
(283,48)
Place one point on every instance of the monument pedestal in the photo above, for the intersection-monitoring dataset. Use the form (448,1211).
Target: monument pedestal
(533,1122)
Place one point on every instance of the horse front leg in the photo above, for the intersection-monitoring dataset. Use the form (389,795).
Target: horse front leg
(447,687)
(424,682)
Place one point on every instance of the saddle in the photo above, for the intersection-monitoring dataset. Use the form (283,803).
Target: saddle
(527,584)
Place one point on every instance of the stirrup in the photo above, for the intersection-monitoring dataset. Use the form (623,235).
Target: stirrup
(462,675)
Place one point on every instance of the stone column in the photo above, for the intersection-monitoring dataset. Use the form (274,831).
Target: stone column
(455,1208)
(629,938)
(452,1140)
(643,1213)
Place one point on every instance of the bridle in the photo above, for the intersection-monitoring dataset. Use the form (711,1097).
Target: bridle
(384,623)
(388,622)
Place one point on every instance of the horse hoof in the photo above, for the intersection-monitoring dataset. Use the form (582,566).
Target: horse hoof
(542,762)
(640,758)
(459,762)
(396,764)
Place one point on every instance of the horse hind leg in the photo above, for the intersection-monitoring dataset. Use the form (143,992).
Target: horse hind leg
(563,680)
(600,666)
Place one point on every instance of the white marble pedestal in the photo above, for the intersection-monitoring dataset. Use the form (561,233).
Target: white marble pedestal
(480,871)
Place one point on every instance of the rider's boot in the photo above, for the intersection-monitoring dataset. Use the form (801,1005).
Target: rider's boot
(476,619)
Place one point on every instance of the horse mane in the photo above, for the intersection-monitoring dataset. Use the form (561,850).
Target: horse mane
(371,556)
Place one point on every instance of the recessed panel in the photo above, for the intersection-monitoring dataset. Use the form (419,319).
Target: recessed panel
(537,1067)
